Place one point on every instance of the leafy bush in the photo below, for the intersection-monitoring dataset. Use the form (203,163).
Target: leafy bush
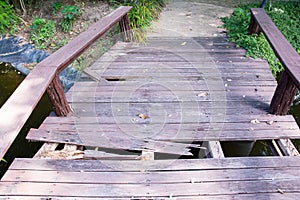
(8,20)
(143,12)
(56,6)
(70,13)
(286,17)
(42,32)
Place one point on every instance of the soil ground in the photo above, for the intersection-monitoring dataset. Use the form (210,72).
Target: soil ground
(92,11)
(184,17)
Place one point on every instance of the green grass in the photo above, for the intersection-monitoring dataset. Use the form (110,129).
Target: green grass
(70,14)
(286,17)
(8,20)
(142,14)
(42,32)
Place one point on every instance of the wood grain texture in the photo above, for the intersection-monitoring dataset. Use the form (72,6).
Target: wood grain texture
(234,177)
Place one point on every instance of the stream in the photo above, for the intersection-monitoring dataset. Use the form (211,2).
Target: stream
(9,81)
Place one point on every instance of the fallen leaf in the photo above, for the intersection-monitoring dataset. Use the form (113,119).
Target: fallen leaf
(142,116)
(203,94)
(255,121)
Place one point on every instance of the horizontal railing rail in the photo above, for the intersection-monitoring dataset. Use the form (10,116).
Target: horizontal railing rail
(289,82)
(44,77)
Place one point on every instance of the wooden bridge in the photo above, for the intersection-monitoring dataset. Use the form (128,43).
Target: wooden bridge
(146,122)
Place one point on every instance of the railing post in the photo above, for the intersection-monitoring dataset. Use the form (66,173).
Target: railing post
(58,98)
(283,96)
(254,27)
(125,28)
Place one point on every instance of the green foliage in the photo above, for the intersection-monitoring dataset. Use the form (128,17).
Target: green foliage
(8,20)
(56,6)
(42,32)
(142,14)
(286,17)
(70,13)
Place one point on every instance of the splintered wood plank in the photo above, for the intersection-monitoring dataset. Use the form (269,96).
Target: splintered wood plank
(101,155)
(123,141)
(110,137)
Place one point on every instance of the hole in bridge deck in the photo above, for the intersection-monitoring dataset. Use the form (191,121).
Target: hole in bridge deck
(248,148)
(114,79)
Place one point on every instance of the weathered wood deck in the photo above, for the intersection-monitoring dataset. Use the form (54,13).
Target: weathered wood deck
(204,90)
(147,122)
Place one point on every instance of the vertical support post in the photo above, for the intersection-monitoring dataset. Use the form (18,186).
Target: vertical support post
(254,27)
(58,98)
(125,28)
(283,96)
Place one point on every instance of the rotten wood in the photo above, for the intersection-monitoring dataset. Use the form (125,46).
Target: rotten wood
(57,96)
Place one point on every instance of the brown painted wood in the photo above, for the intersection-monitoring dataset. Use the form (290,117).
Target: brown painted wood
(56,94)
(125,28)
(17,109)
(283,96)
(288,57)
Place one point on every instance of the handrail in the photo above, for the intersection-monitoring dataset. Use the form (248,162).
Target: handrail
(17,109)
(290,79)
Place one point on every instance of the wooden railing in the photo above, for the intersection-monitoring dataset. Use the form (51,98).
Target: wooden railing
(289,82)
(17,109)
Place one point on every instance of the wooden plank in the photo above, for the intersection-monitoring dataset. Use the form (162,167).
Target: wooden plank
(156,165)
(108,136)
(286,196)
(104,64)
(192,83)
(57,121)
(101,155)
(226,175)
(149,190)
(252,125)
(122,141)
